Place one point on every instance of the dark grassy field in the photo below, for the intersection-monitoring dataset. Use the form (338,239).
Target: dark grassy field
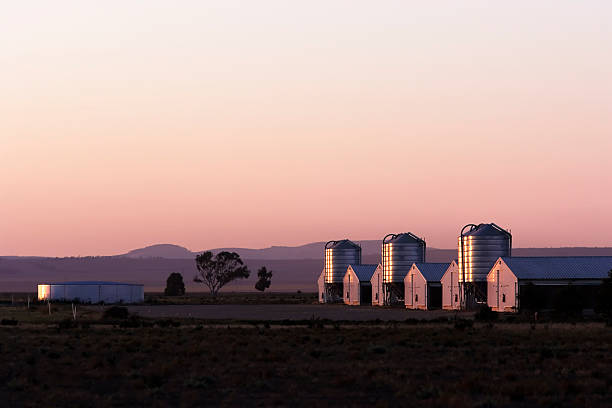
(233,298)
(197,298)
(383,365)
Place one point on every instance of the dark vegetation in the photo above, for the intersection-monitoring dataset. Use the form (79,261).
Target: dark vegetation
(175,285)
(264,279)
(116,312)
(216,271)
(169,363)
(604,299)
(232,298)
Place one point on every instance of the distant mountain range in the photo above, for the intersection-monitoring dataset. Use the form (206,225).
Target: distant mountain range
(295,268)
(370,251)
(309,251)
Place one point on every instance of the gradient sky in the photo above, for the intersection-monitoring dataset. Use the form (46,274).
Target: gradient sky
(257,123)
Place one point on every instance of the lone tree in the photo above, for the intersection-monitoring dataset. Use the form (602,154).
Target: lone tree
(175,285)
(216,271)
(265,279)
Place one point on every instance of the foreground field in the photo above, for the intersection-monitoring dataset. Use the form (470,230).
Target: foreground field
(233,298)
(289,312)
(440,365)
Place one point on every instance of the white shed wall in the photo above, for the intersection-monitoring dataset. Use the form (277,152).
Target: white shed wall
(83,293)
(415,290)
(321,286)
(137,293)
(502,288)
(352,288)
(450,288)
(377,287)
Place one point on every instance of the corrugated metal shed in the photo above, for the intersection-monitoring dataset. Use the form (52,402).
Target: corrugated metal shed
(92,292)
(364,272)
(89,283)
(432,272)
(575,267)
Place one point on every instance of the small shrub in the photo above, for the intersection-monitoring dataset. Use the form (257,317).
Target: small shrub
(485,314)
(9,322)
(202,382)
(175,285)
(377,349)
(131,323)
(462,324)
(167,323)
(116,312)
(66,324)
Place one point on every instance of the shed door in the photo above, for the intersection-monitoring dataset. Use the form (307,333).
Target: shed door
(411,289)
(497,287)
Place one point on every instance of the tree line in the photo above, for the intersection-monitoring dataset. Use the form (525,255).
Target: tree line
(216,271)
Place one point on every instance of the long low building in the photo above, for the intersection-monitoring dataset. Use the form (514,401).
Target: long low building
(92,292)
(541,282)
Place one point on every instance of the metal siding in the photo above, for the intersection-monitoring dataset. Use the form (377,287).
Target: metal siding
(124,293)
(338,257)
(109,294)
(560,268)
(139,298)
(84,293)
(481,249)
(398,256)
(56,292)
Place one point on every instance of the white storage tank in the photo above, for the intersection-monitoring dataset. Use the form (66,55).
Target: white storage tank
(92,292)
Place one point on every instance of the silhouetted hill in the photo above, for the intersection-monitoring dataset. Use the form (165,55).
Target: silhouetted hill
(168,251)
(308,251)
(313,250)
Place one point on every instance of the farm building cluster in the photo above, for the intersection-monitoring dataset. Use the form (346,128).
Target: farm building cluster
(484,273)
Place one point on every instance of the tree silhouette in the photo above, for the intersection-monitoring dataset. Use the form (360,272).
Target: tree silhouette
(265,279)
(216,271)
(175,285)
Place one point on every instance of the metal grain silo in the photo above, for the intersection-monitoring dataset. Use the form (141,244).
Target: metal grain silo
(338,256)
(399,252)
(479,247)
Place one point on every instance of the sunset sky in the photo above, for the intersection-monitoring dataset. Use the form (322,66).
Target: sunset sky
(257,123)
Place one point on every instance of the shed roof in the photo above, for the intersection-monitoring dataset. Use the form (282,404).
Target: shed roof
(405,238)
(486,230)
(90,283)
(432,271)
(364,272)
(561,267)
(342,244)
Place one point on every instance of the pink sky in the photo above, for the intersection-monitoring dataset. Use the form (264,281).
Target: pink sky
(128,123)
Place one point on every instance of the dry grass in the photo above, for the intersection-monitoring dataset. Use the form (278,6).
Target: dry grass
(232,298)
(429,365)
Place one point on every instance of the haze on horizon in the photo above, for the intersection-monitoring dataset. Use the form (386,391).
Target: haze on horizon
(249,124)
